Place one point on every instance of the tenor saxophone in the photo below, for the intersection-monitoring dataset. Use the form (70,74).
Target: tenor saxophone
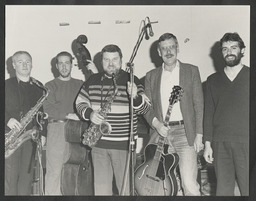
(16,137)
(95,131)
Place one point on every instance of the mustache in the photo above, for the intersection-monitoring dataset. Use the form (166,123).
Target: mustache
(168,55)
(230,55)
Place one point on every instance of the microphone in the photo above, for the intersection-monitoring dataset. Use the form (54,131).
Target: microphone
(146,32)
(151,33)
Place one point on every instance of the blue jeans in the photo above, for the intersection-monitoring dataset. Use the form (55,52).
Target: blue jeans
(187,160)
(106,163)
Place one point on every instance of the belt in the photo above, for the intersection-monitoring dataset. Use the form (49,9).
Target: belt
(175,123)
(57,120)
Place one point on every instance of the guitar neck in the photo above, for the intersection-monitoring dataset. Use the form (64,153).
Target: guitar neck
(173,99)
(160,147)
(168,115)
(160,143)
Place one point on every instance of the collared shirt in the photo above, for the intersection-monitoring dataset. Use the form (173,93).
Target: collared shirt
(168,81)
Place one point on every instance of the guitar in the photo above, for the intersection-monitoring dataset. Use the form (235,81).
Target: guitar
(156,175)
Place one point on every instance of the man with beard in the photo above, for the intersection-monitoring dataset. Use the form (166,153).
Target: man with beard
(185,127)
(109,155)
(226,119)
(60,107)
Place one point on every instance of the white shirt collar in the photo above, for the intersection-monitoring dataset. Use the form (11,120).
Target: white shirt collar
(176,66)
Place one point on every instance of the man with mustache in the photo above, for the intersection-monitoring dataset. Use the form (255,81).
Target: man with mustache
(226,119)
(60,107)
(185,129)
(110,153)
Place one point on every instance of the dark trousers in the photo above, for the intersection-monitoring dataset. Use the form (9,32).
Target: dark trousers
(231,163)
(18,171)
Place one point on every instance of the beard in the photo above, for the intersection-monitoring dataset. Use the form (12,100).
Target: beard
(64,75)
(233,62)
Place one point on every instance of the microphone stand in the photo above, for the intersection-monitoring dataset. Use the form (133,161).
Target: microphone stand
(131,150)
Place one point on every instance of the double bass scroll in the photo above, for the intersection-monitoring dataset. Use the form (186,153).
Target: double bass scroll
(82,54)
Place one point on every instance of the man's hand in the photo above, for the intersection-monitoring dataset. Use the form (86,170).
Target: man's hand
(13,123)
(96,118)
(43,140)
(208,152)
(72,116)
(198,144)
(132,90)
(160,127)
(91,66)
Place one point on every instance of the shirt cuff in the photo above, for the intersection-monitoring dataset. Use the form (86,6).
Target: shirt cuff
(87,113)
(138,102)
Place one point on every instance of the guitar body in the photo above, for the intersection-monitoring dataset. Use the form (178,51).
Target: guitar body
(157,177)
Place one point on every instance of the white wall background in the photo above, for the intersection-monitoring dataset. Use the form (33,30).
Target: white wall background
(36,29)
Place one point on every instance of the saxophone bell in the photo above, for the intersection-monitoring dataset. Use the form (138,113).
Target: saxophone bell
(105,128)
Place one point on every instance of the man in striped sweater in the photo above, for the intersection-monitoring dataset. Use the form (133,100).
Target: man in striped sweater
(109,155)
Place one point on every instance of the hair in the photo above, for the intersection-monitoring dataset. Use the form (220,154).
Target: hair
(232,37)
(167,36)
(19,53)
(112,48)
(64,54)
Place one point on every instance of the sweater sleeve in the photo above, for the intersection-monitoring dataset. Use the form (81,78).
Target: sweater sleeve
(150,115)
(208,113)
(83,103)
(141,102)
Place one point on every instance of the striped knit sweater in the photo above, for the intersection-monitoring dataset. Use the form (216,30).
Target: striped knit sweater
(95,92)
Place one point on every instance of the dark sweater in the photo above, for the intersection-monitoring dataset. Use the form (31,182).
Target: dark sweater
(226,116)
(20,97)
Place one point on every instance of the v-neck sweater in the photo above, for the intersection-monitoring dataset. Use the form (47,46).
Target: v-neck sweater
(226,116)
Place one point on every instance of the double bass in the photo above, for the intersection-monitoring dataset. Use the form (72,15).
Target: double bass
(82,54)
(156,175)
(77,172)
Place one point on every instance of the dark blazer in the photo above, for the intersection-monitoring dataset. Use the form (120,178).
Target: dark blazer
(191,103)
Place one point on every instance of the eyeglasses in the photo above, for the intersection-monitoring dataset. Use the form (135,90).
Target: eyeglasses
(168,48)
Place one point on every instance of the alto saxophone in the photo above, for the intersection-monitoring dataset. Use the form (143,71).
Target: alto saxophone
(95,132)
(16,137)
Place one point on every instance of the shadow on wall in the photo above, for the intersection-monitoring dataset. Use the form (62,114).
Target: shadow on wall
(97,62)
(54,70)
(10,68)
(217,59)
(154,56)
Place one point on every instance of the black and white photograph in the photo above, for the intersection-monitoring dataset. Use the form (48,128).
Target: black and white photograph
(128,100)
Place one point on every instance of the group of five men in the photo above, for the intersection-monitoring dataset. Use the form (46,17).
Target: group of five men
(220,116)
